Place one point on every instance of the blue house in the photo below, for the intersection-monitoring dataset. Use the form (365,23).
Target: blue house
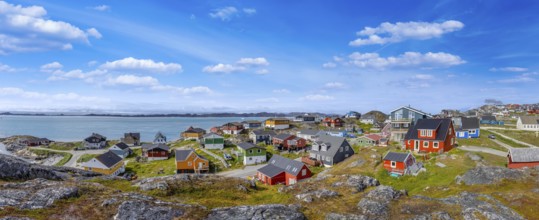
(469,128)
(490,120)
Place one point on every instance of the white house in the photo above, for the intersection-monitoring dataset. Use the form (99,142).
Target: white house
(528,123)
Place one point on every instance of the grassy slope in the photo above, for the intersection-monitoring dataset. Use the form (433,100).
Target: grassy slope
(86,157)
(63,161)
(524,136)
(482,141)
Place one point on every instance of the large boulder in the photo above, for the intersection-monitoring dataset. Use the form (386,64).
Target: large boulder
(487,206)
(137,209)
(259,212)
(360,182)
(13,168)
(320,194)
(377,201)
(489,175)
(35,194)
(336,216)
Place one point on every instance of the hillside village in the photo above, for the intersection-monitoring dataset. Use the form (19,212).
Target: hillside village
(320,167)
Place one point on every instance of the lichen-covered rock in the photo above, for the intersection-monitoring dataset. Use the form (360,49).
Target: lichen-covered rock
(136,209)
(320,194)
(489,175)
(35,194)
(15,218)
(433,216)
(377,201)
(335,216)
(160,185)
(259,212)
(360,182)
(14,168)
(487,206)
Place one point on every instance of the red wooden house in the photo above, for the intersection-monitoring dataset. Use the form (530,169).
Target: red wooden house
(333,122)
(523,157)
(399,163)
(431,136)
(289,141)
(232,128)
(282,170)
(155,151)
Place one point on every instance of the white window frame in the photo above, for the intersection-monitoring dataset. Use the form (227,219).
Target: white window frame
(435,144)
(472,131)
(341,149)
(303,172)
(425,144)
(393,164)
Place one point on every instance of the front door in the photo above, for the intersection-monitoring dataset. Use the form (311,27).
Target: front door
(416,145)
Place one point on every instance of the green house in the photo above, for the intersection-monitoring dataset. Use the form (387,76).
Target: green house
(213,141)
(251,153)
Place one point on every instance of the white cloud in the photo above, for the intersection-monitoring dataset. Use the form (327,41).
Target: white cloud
(223,68)
(51,66)
(334,85)
(259,61)
(74,74)
(317,97)
(281,91)
(101,8)
(401,31)
(225,13)
(243,64)
(92,63)
(27,29)
(408,59)
(267,100)
(509,69)
(6,69)
(94,33)
(18,92)
(262,71)
(148,65)
(423,76)
(249,11)
(329,65)
(182,90)
(522,78)
(132,80)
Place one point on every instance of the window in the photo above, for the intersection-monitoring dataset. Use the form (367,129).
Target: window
(393,164)
(435,144)
(472,131)
(189,163)
(346,155)
(347,147)
(450,131)
(250,158)
(304,172)
(250,151)
(425,144)
(259,150)
(340,149)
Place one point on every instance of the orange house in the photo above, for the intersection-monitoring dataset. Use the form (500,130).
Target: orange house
(188,161)
(431,136)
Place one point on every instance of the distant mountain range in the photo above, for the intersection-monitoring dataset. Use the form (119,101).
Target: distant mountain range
(259,114)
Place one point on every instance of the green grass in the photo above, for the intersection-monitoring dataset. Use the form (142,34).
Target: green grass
(65,145)
(66,156)
(86,157)
(184,143)
(482,141)
(150,168)
(524,136)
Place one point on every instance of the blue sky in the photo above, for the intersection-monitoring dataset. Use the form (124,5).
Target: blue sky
(248,56)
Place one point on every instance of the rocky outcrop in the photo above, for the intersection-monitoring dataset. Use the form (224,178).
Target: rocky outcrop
(15,218)
(335,216)
(136,206)
(35,194)
(489,175)
(433,216)
(319,194)
(377,201)
(473,204)
(167,182)
(258,212)
(360,182)
(13,168)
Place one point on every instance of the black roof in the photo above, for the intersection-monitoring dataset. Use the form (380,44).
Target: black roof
(182,154)
(489,117)
(395,156)
(159,135)
(122,145)
(470,123)
(441,125)
(247,145)
(194,130)
(264,132)
(95,138)
(278,164)
(109,159)
(282,136)
(155,146)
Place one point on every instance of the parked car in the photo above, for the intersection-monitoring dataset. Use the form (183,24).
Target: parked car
(491,136)
(227,156)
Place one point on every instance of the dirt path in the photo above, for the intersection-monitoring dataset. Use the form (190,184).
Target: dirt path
(510,138)
(484,150)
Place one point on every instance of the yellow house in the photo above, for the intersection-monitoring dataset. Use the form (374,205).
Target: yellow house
(193,133)
(108,164)
(277,123)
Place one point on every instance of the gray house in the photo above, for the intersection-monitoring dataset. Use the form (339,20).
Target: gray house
(309,134)
(262,136)
(121,149)
(330,150)
(131,139)
(160,138)
(95,141)
(404,118)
